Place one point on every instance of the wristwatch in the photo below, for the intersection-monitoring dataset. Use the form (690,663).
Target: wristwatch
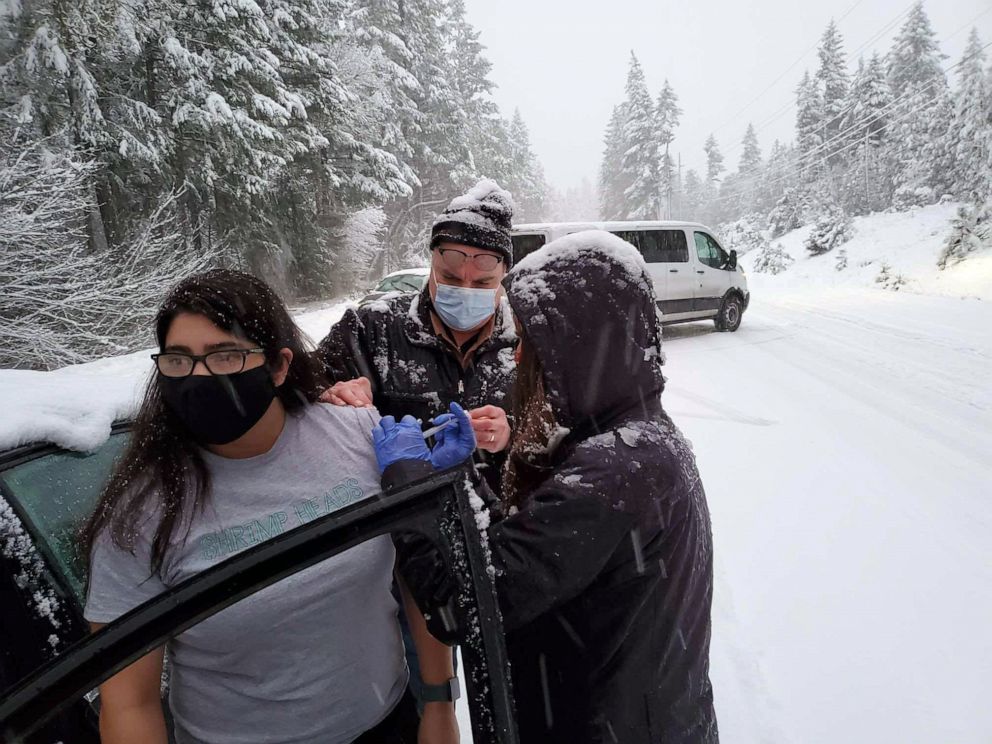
(448,692)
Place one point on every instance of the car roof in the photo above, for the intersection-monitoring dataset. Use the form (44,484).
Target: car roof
(32,450)
(420,271)
(607,225)
(73,407)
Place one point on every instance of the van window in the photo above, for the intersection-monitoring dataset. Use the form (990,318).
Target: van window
(658,246)
(709,252)
(526,244)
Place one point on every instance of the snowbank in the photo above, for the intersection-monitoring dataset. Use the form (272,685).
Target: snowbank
(74,407)
(887,251)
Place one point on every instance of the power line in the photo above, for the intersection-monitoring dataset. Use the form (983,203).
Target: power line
(803,163)
(791,104)
(787,70)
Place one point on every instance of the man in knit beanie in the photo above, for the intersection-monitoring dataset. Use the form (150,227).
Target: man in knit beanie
(455,341)
(481,219)
(450,343)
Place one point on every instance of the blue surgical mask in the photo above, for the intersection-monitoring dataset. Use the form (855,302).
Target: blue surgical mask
(464,308)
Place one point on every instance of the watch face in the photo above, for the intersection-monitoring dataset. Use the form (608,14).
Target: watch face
(456,688)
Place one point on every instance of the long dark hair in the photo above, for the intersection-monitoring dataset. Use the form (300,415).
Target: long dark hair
(162,471)
(531,454)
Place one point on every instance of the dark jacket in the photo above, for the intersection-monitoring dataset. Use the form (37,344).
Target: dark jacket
(392,342)
(605,572)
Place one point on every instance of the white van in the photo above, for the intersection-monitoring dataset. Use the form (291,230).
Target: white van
(695,283)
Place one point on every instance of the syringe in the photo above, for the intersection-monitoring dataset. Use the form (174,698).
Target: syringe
(435,429)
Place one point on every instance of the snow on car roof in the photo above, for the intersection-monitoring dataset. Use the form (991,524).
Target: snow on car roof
(608,226)
(74,407)
(419,271)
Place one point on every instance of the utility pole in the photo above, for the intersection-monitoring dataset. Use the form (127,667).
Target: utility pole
(867,191)
(680,185)
(668,181)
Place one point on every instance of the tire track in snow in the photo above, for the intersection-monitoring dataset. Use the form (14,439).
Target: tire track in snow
(937,396)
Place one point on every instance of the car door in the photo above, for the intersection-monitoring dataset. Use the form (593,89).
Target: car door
(45,495)
(666,254)
(439,505)
(712,276)
(646,246)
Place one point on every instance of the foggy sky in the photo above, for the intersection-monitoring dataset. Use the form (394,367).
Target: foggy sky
(563,63)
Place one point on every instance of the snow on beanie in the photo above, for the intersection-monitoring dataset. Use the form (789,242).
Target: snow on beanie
(481,219)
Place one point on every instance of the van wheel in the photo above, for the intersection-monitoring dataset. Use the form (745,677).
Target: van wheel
(729,317)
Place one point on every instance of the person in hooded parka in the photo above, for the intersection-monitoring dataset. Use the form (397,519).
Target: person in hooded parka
(602,543)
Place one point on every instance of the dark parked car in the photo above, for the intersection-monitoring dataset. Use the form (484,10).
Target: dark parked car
(50,665)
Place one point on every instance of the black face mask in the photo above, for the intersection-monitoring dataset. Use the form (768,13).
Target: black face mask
(218,409)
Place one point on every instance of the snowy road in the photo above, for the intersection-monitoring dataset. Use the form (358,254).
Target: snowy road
(844,441)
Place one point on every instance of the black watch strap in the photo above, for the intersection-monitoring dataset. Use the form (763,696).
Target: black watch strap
(448,692)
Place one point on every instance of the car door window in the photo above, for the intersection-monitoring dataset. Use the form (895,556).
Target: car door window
(709,252)
(56,492)
(658,246)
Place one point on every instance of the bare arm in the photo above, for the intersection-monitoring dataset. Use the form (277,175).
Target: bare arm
(438,724)
(131,703)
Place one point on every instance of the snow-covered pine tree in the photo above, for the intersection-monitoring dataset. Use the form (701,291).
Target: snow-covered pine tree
(714,161)
(668,114)
(832,229)
(640,160)
(865,186)
(613,182)
(790,212)
(749,169)
(527,185)
(832,81)
(442,146)
(54,51)
(487,132)
(771,259)
(809,118)
(920,115)
(693,197)
(62,302)
(972,128)
(744,235)
(711,184)
(779,176)
(971,233)
(376,26)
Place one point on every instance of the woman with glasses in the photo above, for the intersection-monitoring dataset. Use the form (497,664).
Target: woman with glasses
(230,448)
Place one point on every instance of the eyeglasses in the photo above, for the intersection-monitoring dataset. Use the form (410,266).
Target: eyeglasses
(225,362)
(455,259)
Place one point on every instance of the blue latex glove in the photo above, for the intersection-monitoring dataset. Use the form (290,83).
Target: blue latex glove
(398,441)
(455,444)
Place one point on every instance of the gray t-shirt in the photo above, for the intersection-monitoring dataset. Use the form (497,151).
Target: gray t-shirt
(317,657)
